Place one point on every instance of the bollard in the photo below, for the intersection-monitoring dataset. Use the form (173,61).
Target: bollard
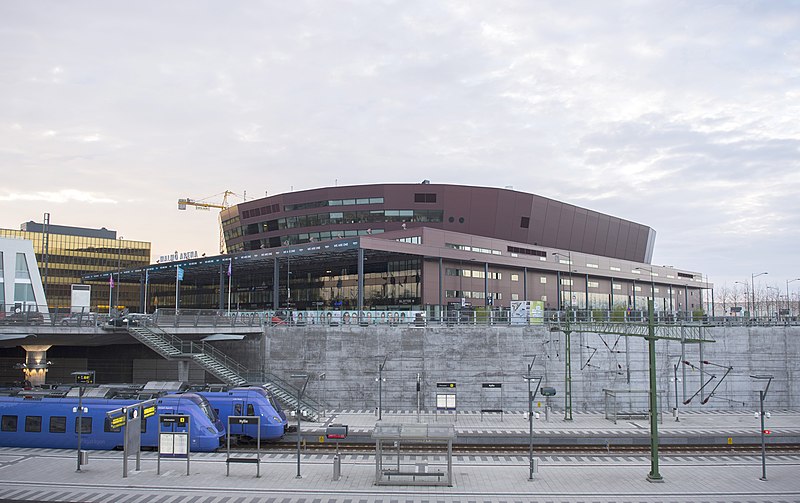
(534,466)
(337,467)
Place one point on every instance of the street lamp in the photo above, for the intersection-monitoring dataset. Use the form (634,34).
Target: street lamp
(568,256)
(788,300)
(753,289)
(746,296)
(777,299)
(300,392)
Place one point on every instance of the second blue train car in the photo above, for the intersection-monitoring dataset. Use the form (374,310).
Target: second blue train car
(249,401)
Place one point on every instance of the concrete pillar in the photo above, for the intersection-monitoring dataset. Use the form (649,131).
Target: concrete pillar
(35,367)
(183,370)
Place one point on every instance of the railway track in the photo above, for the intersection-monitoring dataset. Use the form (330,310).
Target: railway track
(520,450)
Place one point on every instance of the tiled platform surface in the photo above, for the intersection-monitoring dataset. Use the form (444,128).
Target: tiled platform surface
(50,475)
(720,427)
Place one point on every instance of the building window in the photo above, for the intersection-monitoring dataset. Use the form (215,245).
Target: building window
(617,287)
(594,284)
(544,298)
(515,277)
(525,222)
(566,282)
(593,266)
(542,280)
(424,198)
(614,268)
(514,296)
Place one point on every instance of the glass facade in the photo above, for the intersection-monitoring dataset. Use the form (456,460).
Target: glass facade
(68,258)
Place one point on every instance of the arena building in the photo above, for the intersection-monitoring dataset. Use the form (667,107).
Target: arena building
(421,247)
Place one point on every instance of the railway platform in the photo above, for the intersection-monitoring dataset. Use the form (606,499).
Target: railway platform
(488,476)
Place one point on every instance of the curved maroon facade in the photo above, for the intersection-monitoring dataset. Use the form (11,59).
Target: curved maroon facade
(332,212)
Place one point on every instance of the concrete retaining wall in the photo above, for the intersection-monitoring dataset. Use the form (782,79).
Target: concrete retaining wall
(470,356)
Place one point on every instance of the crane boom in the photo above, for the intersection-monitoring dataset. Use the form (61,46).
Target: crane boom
(202,205)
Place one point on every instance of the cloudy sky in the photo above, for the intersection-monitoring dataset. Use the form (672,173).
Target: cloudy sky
(683,116)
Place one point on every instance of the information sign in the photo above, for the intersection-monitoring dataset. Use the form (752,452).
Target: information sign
(84,377)
(119,421)
(492,385)
(445,385)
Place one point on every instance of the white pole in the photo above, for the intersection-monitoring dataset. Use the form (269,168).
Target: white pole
(230,277)
(177,287)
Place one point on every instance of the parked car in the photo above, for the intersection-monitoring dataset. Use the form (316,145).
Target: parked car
(80,319)
(21,318)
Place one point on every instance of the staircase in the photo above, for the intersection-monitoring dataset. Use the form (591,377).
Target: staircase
(221,366)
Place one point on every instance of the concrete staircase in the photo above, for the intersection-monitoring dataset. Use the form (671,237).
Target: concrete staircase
(221,366)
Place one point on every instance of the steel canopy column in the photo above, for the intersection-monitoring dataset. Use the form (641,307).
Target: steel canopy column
(276,292)
(360,283)
(441,286)
(486,300)
(524,283)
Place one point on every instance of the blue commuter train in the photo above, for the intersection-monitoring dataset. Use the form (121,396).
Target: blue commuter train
(31,421)
(249,401)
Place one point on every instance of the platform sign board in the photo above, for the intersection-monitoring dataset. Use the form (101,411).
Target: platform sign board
(173,438)
(446,397)
(256,459)
(492,398)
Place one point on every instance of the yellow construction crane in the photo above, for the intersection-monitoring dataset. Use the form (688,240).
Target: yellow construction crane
(203,204)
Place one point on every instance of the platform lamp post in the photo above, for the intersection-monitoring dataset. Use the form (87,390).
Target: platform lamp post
(300,392)
(762,394)
(81,379)
(753,288)
(528,379)
(777,298)
(788,299)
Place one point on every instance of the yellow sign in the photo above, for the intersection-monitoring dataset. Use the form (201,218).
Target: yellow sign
(321,439)
(149,411)
(119,421)
(730,440)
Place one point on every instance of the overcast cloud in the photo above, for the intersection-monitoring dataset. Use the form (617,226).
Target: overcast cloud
(682,116)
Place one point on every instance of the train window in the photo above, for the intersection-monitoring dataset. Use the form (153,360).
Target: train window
(144,425)
(237,409)
(58,424)
(8,423)
(250,410)
(33,423)
(86,425)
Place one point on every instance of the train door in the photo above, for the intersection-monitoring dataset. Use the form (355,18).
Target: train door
(237,409)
